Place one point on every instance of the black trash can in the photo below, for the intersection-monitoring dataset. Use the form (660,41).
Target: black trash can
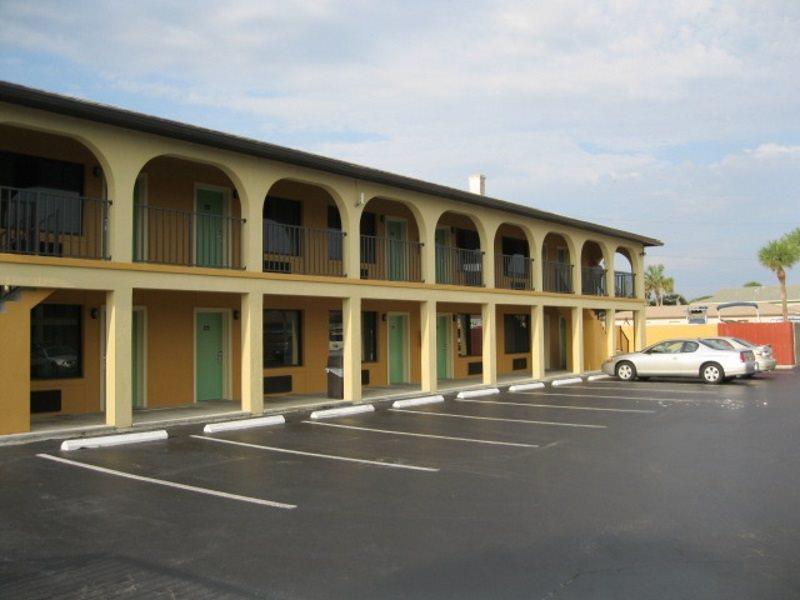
(335,371)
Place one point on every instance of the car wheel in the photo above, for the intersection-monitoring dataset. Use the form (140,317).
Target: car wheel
(625,371)
(712,373)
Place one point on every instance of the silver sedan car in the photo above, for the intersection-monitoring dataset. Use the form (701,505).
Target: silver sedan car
(763,353)
(710,360)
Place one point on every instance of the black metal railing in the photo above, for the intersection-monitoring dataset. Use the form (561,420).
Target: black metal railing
(593,281)
(303,250)
(624,285)
(556,277)
(513,272)
(390,260)
(52,223)
(457,266)
(180,237)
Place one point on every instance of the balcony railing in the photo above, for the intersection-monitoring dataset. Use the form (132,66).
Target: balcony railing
(593,281)
(513,272)
(624,285)
(180,237)
(457,266)
(557,277)
(52,223)
(302,250)
(390,260)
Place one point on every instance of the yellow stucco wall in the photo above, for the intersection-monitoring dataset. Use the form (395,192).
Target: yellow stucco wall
(15,388)
(658,333)
(594,341)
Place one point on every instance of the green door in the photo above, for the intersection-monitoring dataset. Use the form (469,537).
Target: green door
(397,349)
(137,364)
(209,228)
(208,367)
(396,232)
(442,345)
(441,256)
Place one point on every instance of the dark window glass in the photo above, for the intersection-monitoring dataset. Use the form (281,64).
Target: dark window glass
(517,334)
(369,334)
(52,200)
(468,239)
(56,341)
(282,217)
(368,227)
(470,335)
(283,338)
(512,246)
(335,236)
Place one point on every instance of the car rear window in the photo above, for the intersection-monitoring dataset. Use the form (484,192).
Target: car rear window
(744,343)
(718,344)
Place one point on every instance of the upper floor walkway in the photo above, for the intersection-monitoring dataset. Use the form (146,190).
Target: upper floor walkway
(82,181)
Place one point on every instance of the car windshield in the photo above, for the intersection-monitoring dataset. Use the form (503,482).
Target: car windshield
(718,344)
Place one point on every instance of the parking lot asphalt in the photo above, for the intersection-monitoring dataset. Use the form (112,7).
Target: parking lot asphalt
(658,489)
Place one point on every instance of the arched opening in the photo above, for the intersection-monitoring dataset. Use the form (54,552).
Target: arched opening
(624,276)
(513,268)
(556,264)
(459,259)
(390,242)
(302,230)
(52,196)
(593,270)
(186,213)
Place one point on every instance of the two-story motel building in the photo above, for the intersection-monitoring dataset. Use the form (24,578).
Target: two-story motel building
(151,264)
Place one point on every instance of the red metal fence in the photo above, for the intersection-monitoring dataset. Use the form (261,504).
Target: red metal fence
(778,335)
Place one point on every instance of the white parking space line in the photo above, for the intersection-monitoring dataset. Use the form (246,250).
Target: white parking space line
(647,398)
(644,386)
(562,406)
(525,421)
(425,435)
(171,484)
(365,461)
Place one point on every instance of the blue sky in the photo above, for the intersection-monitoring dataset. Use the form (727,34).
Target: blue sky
(678,120)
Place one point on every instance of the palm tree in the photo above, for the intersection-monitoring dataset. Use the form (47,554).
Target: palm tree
(779,255)
(656,284)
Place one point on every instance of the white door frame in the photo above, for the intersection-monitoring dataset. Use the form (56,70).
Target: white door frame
(227,345)
(406,346)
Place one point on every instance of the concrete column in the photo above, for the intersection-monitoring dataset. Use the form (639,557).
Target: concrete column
(609,260)
(120,213)
(537,341)
(251,198)
(119,341)
(538,266)
(351,323)
(351,224)
(428,257)
(488,266)
(577,277)
(489,321)
(429,373)
(577,340)
(611,338)
(639,329)
(252,317)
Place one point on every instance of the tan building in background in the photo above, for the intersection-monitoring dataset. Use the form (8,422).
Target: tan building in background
(150,264)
